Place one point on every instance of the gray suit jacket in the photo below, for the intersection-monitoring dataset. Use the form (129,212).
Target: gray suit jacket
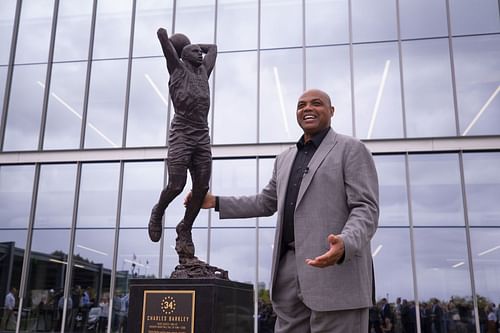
(339,195)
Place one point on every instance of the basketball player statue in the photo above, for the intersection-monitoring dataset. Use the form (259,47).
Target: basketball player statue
(188,145)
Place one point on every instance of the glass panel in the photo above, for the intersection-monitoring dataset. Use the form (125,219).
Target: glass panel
(112,29)
(485,245)
(73,30)
(3,79)
(98,195)
(149,16)
(64,113)
(477,69)
(470,17)
(106,104)
(170,257)
(482,188)
(266,166)
(328,69)
(281,23)
(23,119)
(12,243)
(230,248)
(147,114)
(377,91)
(233,178)
(414,13)
(443,274)
(34,31)
(327,22)
(373,20)
(266,316)
(195,19)
(237,25)
(280,88)
(93,258)
(138,257)
(16,188)
(142,183)
(7,13)
(235,102)
(436,196)
(45,288)
(392,257)
(428,88)
(56,194)
(393,190)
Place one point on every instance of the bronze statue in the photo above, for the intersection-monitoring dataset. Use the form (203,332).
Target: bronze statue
(188,145)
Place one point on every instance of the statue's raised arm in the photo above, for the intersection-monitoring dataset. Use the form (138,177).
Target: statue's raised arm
(210,51)
(173,58)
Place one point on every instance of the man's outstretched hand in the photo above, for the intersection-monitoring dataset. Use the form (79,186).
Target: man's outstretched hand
(332,256)
(208,201)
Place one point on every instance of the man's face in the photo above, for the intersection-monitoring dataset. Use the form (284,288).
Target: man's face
(192,54)
(314,112)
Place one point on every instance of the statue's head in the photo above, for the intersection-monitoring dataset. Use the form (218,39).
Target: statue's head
(179,41)
(192,54)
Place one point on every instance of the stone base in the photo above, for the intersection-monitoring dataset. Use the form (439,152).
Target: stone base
(198,269)
(220,306)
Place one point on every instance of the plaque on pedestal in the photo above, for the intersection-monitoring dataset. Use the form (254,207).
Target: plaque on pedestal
(190,306)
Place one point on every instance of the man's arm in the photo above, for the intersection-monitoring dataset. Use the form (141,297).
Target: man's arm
(169,51)
(210,51)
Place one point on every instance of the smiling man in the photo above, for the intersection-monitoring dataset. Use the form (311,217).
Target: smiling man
(325,191)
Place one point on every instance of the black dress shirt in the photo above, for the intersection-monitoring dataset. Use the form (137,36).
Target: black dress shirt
(305,152)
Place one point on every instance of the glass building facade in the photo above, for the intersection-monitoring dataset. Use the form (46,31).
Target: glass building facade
(84,121)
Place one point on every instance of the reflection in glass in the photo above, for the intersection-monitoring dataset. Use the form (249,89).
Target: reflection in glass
(266,246)
(56,193)
(377,91)
(485,245)
(65,108)
(7,13)
(414,13)
(147,114)
(280,87)
(474,17)
(138,257)
(234,250)
(326,22)
(435,190)
(428,88)
(3,78)
(34,31)
(170,256)
(106,104)
(73,30)
(98,195)
(237,25)
(373,20)
(142,184)
(233,177)
(195,19)
(392,264)
(112,29)
(266,166)
(477,71)
(442,265)
(23,117)
(281,23)
(45,288)
(327,68)
(482,188)
(235,100)
(392,190)
(16,188)
(149,16)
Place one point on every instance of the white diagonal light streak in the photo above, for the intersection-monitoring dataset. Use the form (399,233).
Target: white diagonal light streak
(91,250)
(379,98)
(489,250)
(156,89)
(377,250)
(73,111)
(485,106)
(280,97)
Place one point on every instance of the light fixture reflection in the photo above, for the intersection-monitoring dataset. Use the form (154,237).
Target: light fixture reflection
(379,98)
(485,106)
(489,250)
(91,250)
(377,250)
(280,97)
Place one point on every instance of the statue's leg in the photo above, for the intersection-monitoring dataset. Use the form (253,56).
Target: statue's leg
(177,175)
(200,175)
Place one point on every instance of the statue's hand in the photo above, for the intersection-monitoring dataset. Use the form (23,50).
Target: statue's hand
(162,31)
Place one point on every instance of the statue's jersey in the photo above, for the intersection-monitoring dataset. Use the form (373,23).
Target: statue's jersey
(190,95)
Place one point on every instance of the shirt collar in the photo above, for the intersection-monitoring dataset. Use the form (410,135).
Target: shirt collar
(316,139)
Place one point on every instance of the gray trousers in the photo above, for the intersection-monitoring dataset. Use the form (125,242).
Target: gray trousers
(293,316)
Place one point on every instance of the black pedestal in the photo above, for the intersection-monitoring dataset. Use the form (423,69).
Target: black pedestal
(190,306)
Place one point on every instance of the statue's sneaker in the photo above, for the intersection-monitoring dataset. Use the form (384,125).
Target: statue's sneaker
(155,226)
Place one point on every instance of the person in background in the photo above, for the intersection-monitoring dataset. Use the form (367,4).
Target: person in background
(9,306)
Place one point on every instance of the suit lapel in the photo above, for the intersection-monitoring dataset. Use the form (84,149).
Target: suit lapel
(324,148)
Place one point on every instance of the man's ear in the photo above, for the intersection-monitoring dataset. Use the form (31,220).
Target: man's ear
(332,111)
